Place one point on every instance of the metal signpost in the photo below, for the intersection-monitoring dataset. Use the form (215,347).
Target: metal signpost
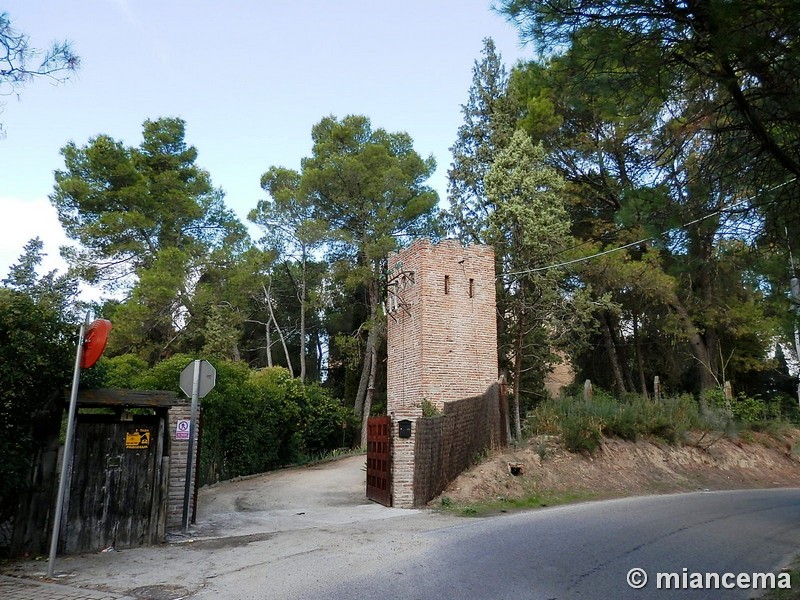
(197,379)
(91,343)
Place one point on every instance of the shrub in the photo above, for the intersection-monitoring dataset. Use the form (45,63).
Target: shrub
(582,424)
(121,371)
(273,420)
(325,422)
(253,421)
(429,409)
(582,432)
(742,408)
(36,358)
(748,409)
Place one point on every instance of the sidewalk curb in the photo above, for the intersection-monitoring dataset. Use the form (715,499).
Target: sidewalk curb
(21,588)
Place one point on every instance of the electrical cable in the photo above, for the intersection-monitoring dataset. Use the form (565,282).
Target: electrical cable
(643,240)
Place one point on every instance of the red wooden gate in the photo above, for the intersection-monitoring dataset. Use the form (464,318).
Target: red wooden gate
(379,460)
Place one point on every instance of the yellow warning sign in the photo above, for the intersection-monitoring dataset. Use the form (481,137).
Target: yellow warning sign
(137,439)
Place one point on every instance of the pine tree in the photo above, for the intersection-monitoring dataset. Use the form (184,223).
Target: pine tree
(488,125)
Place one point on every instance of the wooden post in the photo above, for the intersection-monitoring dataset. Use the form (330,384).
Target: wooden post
(587,391)
(163,504)
(728,390)
(505,416)
(657,388)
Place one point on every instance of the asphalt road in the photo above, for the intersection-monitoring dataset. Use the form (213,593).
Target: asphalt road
(579,551)
(310,533)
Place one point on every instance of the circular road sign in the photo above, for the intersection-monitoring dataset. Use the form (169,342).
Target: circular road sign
(94,342)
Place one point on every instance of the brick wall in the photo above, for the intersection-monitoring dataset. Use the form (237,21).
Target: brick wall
(443,333)
(442,338)
(448,444)
(178,451)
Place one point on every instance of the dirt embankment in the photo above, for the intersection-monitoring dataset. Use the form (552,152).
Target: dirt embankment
(622,468)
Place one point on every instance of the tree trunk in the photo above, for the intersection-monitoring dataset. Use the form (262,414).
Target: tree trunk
(373,360)
(303,339)
(613,326)
(300,292)
(372,337)
(705,282)
(269,344)
(613,357)
(319,353)
(639,362)
(361,394)
(280,332)
(702,338)
(303,317)
(518,372)
(715,359)
(708,379)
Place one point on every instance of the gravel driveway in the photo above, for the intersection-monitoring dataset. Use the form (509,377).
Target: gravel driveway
(303,525)
(330,493)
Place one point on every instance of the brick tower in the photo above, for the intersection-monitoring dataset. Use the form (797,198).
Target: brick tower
(442,338)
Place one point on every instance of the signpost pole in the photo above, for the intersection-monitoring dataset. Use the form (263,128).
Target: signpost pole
(67,459)
(190,456)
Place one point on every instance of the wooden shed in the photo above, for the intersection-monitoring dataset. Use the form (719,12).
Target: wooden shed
(127,479)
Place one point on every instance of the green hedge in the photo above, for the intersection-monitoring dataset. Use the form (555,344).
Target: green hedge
(37,354)
(253,421)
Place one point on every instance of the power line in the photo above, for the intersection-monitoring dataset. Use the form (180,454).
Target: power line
(647,239)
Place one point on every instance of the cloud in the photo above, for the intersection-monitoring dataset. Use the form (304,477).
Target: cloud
(23,220)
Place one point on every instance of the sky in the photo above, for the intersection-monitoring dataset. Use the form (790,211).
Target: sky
(250,78)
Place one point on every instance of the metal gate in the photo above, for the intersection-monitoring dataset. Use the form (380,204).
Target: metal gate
(116,493)
(379,460)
